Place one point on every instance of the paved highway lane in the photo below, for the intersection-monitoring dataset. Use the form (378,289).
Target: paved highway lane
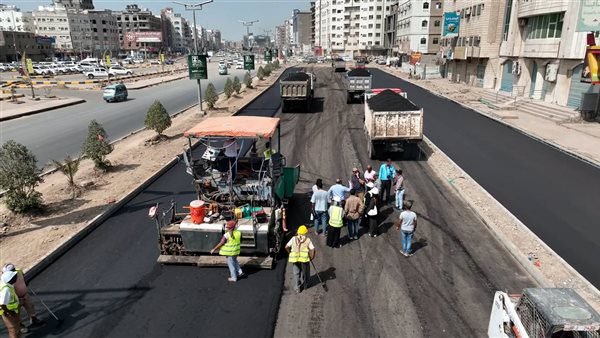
(53,134)
(109,284)
(554,194)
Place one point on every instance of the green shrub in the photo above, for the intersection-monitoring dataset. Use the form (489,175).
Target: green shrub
(228,89)
(97,146)
(248,80)
(211,96)
(157,118)
(19,175)
(260,73)
(237,85)
(69,167)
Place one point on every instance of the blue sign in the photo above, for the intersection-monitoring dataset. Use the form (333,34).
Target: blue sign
(44,40)
(451,24)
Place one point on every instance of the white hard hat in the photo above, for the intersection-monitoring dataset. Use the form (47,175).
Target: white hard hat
(8,275)
(8,267)
(374,191)
(337,199)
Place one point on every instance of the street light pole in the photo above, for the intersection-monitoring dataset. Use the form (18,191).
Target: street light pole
(193,8)
(248,24)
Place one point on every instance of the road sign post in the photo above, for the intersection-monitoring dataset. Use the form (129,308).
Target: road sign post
(248,62)
(268,55)
(197,69)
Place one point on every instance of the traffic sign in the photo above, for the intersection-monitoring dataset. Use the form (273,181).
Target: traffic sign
(268,55)
(249,62)
(197,67)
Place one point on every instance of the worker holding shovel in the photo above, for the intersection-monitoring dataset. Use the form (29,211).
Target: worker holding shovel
(302,251)
(230,247)
(21,291)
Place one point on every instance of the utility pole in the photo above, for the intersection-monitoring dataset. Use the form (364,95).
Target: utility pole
(193,8)
(248,24)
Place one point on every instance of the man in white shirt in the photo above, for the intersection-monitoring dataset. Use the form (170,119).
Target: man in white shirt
(408,225)
(231,151)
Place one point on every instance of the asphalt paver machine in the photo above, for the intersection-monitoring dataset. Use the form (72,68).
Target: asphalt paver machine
(236,177)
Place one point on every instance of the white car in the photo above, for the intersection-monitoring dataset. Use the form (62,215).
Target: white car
(155,62)
(239,65)
(138,61)
(119,70)
(96,72)
(41,70)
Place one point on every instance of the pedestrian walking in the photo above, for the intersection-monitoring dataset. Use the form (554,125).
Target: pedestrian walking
(9,304)
(21,291)
(386,175)
(230,247)
(372,212)
(338,190)
(369,174)
(336,221)
(407,226)
(357,183)
(319,202)
(399,189)
(353,209)
(301,251)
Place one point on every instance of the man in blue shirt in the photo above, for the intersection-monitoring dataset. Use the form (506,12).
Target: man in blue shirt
(338,190)
(386,175)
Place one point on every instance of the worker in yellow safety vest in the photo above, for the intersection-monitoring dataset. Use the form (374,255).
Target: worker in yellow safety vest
(21,290)
(336,222)
(230,248)
(302,251)
(268,151)
(9,304)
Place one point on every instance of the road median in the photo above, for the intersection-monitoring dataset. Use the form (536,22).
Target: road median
(31,107)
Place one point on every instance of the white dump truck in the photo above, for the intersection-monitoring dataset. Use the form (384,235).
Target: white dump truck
(392,123)
(296,90)
(543,313)
(358,82)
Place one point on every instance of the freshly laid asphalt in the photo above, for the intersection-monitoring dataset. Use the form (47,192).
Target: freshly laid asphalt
(109,284)
(553,194)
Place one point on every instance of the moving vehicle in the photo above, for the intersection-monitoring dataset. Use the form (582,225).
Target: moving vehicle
(248,188)
(119,70)
(542,313)
(239,65)
(392,123)
(339,65)
(358,81)
(96,72)
(222,69)
(155,62)
(296,89)
(116,92)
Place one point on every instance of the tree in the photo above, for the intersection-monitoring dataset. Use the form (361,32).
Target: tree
(157,118)
(97,146)
(276,64)
(248,80)
(267,70)
(69,168)
(211,96)
(237,86)
(228,89)
(260,73)
(19,175)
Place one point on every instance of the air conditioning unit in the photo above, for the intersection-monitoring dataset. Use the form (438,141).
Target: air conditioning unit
(467,12)
(523,22)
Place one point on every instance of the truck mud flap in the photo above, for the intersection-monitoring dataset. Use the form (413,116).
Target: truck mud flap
(253,261)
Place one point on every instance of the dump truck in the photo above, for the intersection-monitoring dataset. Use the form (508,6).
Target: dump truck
(358,81)
(234,180)
(296,90)
(392,123)
(339,65)
(542,313)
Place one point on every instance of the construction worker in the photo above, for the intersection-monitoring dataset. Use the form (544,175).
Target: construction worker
(9,304)
(302,251)
(336,221)
(268,151)
(21,290)
(230,247)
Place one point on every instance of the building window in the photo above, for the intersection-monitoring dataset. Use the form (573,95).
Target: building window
(436,23)
(435,41)
(507,14)
(423,41)
(547,26)
(438,5)
(424,23)
(426,5)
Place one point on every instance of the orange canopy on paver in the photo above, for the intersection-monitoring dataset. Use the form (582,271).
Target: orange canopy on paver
(235,126)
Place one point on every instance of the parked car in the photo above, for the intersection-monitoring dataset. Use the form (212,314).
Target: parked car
(239,65)
(116,92)
(96,72)
(3,67)
(119,70)
(169,62)
(155,62)
(222,69)
(86,66)
(138,61)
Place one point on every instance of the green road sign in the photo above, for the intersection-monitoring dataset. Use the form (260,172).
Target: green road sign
(268,55)
(248,62)
(197,67)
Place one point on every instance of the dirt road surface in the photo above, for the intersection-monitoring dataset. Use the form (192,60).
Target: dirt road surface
(445,289)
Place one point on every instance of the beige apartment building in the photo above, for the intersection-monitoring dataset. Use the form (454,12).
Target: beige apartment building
(472,56)
(541,54)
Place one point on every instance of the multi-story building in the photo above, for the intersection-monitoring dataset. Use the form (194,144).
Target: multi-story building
(390,28)
(313,9)
(323,10)
(472,56)
(104,32)
(280,40)
(12,19)
(14,44)
(418,26)
(73,4)
(541,53)
(135,20)
(301,30)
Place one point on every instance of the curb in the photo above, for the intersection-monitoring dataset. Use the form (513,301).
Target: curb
(158,83)
(52,256)
(525,132)
(510,247)
(41,110)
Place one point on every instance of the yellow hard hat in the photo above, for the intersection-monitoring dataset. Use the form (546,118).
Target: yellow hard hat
(302,230)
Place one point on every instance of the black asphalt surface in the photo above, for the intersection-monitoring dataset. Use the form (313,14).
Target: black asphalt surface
(109,284)
(554,194)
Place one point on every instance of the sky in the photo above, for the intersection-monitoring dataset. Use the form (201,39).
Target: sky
(221,14)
